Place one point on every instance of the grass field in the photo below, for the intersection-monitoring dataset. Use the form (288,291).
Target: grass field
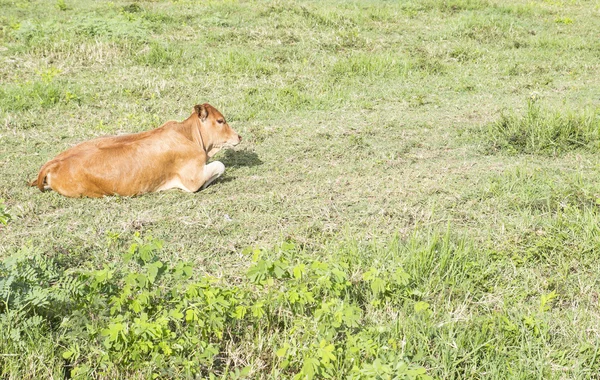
(432,165)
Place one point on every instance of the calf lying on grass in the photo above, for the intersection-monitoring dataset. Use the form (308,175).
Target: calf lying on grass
(172,156)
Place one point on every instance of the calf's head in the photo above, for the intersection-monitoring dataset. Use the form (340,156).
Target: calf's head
(215,131)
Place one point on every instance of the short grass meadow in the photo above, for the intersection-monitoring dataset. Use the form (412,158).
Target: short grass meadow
(416,196)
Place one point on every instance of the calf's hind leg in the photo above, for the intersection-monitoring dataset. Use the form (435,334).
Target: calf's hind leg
(212,171)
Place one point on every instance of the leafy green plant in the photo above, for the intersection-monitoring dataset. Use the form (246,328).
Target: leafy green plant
(35,293)
(44,93)
(4,214)
(61,5)
(148,316)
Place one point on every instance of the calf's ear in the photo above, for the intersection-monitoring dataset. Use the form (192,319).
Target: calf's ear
(201,111)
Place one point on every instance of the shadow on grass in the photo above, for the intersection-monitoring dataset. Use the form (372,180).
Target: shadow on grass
(236,159)
(223,179)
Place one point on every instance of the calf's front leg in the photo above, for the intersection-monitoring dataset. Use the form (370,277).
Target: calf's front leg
(212,171)
(194,178)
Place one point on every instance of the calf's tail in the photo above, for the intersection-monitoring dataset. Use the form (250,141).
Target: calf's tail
(41,179)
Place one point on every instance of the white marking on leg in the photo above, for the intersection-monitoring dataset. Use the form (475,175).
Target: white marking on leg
(212,171)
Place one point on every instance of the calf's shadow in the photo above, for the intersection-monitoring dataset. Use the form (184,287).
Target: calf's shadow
(237,159)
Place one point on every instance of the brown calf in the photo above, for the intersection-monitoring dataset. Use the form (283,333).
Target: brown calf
(172,156)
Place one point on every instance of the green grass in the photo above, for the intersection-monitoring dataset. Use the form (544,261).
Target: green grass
(539,132)
(455,140)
